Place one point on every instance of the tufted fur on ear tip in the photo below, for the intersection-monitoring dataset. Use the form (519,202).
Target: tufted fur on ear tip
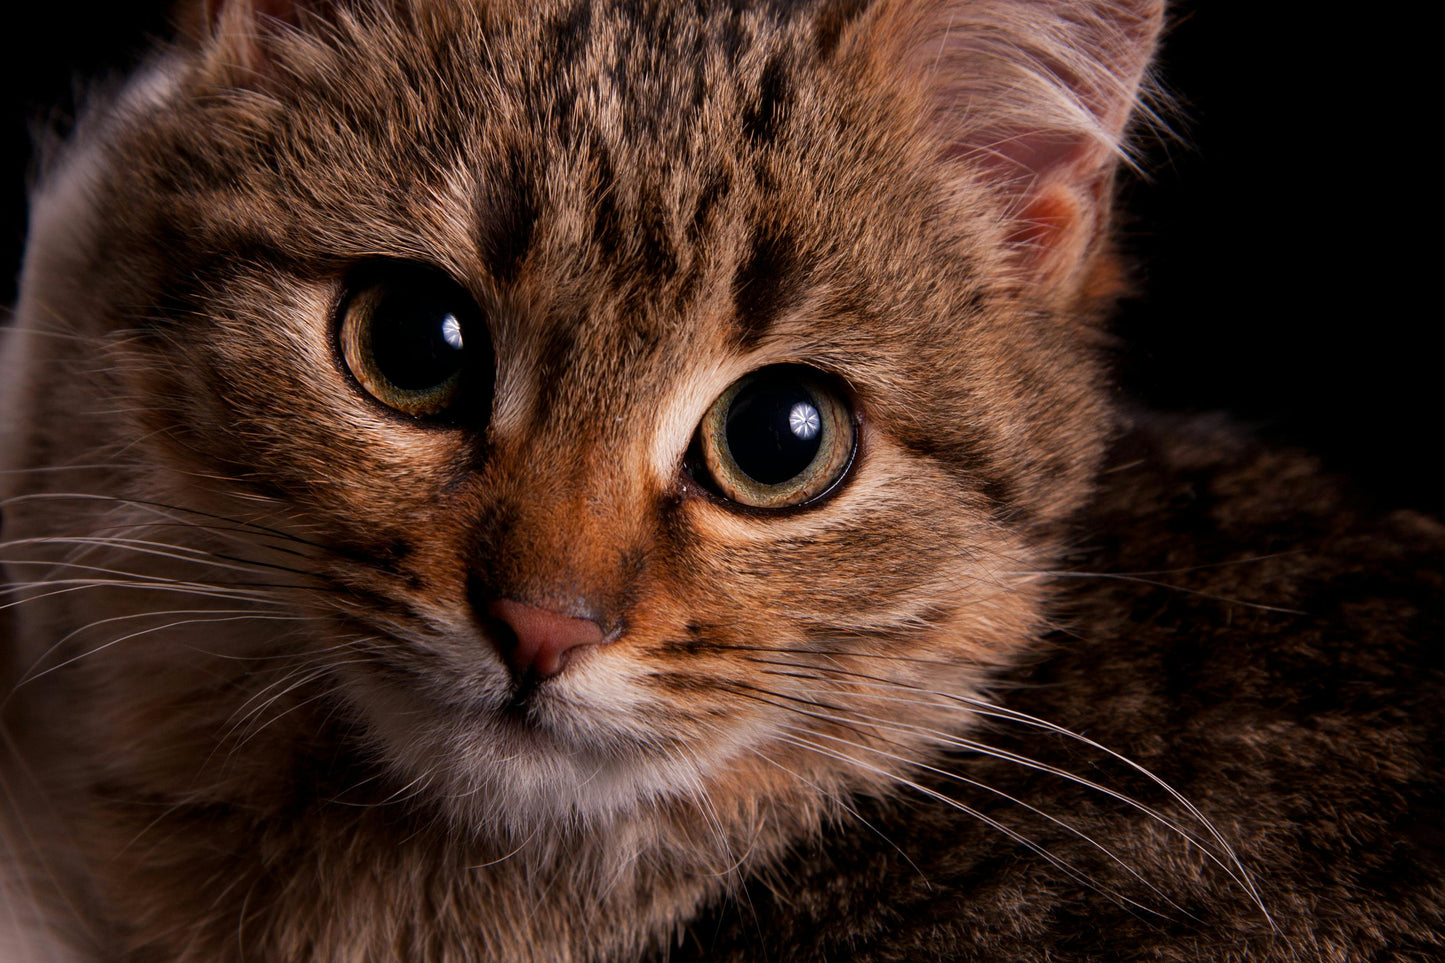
(235,30)
(1032,96)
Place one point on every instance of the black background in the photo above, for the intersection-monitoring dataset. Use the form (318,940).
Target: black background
(1272,236)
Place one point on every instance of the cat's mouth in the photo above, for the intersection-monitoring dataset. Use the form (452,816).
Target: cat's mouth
(537,689)
(514,751)
(527,692)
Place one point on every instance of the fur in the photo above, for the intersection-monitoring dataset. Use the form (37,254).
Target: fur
(259,710)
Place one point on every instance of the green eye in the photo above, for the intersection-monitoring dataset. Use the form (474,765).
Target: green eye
(778,437)
(411,338)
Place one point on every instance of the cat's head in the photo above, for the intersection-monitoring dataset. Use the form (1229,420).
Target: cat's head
(627,402)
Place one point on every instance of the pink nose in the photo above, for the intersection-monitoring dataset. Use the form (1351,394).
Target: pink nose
(544,640)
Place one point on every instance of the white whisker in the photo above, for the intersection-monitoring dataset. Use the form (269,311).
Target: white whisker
(183,553)
(914,763)
(973,745)
(1060,863)
(88,653)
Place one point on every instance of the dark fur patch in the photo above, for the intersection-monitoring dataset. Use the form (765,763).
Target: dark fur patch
(607,226)
(189,284)
(657,252)
(762,118)
(832,20)
(571,32)
(553,359)
(964,455)
(714,190)
(765,285)
(507,215)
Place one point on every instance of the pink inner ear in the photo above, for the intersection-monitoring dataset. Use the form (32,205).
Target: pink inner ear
(1048,173)
(1046,219)
(1023,160)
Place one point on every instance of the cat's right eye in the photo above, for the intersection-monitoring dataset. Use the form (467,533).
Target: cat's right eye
(777,438)
(411,338)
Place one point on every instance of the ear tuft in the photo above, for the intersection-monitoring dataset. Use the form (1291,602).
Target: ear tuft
(238,27)
(275,9)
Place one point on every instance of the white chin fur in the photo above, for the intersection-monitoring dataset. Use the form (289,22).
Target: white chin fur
(582,758)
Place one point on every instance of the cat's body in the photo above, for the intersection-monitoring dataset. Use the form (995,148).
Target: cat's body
(321,654)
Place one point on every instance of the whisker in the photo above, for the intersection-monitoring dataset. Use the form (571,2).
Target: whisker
(401,794)
(264,696)
(198,589)
(898,757)
(994,710)
(105,570)
(850,810)
(697,790)
(502,859)
(162,508)
(1058,862)
(182,553)
(30,677)
(319,673)
(308,655)
(36,852)
(149,614)
(1155,583)
(869,657)
(1184,569)
(961,742)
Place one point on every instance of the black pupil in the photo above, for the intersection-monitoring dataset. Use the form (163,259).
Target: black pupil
(774,430)
(416,338)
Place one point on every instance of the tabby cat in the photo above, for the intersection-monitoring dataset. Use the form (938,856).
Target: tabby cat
(602,480)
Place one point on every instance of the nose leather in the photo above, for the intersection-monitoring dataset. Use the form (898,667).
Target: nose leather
(542,640)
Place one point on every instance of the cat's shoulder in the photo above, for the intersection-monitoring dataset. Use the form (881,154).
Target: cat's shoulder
(1229,519)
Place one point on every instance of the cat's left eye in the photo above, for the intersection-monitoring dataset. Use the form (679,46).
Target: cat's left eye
(412,338)
(778,437)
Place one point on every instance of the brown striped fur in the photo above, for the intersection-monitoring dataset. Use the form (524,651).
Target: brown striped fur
(294,741)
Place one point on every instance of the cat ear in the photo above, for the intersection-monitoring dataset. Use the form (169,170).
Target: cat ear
(276,9)
(238,27)
(1033,96)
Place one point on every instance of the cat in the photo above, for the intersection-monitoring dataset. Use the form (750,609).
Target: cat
(614,481)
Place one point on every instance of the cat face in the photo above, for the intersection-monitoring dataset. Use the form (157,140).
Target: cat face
(689,332)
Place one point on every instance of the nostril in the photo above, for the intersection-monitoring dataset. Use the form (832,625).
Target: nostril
(541,640)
